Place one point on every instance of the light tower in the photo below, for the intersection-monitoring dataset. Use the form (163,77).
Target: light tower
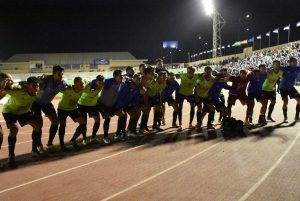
(218,24)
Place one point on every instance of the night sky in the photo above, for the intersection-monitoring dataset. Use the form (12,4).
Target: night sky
(137,26)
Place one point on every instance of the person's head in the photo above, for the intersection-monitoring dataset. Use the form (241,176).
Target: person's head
(99,81)
(149,73)
(57,73)
(118,76)
(78,84)
(190,72)
(129,71)
(276,65)
(243,74)
(142,68)
(224,72)
(262,68)
(207,71)
(6,80)
(136,79)
(293,62)
(159,63)
(162,76)
(171,77)
(32,85)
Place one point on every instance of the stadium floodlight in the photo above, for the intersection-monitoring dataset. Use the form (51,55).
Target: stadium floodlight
(248,16)
(208,7)
(218,23)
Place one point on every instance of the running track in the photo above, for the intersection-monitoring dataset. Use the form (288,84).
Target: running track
(165,166)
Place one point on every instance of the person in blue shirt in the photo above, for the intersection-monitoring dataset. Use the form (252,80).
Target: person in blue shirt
(171,88)
(50,86)
(286,86)
(108,100)
(254,90)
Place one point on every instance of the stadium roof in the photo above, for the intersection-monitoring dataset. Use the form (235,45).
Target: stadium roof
(71,58)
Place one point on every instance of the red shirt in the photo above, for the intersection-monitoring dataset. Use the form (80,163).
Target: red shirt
(239,84)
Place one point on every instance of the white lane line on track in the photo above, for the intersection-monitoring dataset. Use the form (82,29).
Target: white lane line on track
(265,176)
(69,170)
(160,173)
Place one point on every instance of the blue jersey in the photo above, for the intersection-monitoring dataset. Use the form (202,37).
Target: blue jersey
(256,80)
(171,88)
(110,92)
(129,96)
(215,90)
(289,77)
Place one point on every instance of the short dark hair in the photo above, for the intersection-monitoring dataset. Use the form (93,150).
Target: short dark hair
(207,67)
(100,78)
(276,61)
(117,73)
(223,69)
(129,68)
(76,79)
(142,65)
(292,59)
(261,65)
(191,68)
(33,80)
(148,70)
(57,69)
(162,73)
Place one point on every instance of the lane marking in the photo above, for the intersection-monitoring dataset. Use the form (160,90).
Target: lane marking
(265,176)
(68,170)
(160,173)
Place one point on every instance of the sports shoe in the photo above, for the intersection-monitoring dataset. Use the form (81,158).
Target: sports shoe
(157,129)
(248,123)
(41,150)
(143,132)
(118,136)
(174,126)
(95,140)
(285,119)
(191,126)
(106,140)
(179,128)
(198,129)
(131,134)
(63,148)
(74,144)
(269,118)
(52,148)
(85,142)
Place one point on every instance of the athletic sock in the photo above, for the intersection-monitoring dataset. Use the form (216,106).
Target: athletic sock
(199,118)
(106,126)
(79,130)
(1,140)
(175,113)
(52,132)
(96,127)
(297,111)
(35,140)
(270,110)
(61,134)
(11,145)
(284,112)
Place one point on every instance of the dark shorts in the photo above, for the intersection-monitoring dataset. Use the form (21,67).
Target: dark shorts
(106,110)
(169,100)
(155,100)
(38,108)
(23,119)
(222,98)
(202,100)
(268,95)
(292,93)
(219,104)
(257,97)
(181,98)
(90,110)
(233,97)
(64,114)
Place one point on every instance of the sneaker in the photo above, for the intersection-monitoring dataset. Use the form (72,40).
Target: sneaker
(118,136)
(95,140)
(106,140)
(210,127)
(157,129)
(174,126)
(248,123)
(285,119)
(270,119)
(143,132)
(124,136)
(131,134)
(11,162)
(63,148)
(85,142)
(52,148)
(41,150)
(191,126)
(179,128)
(199,129)
(74,144)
